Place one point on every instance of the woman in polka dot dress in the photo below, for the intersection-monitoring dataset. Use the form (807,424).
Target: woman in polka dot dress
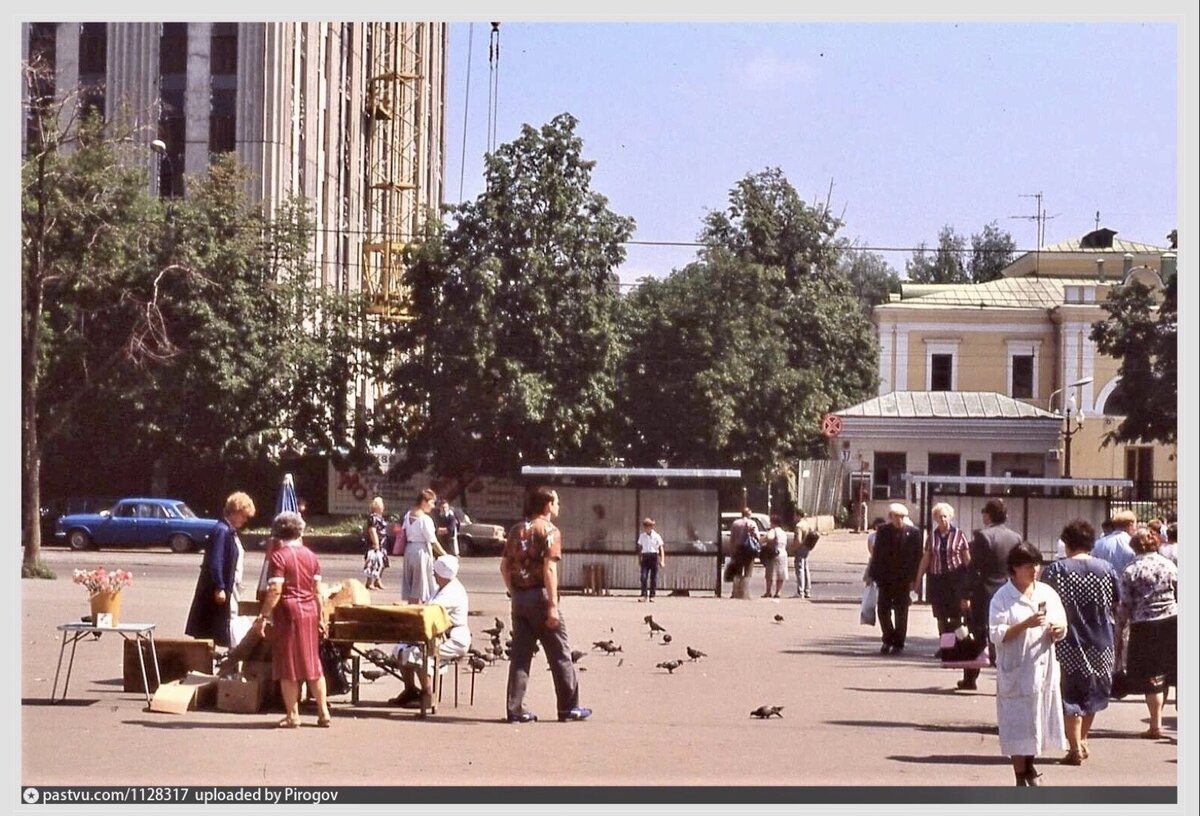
(1088,589)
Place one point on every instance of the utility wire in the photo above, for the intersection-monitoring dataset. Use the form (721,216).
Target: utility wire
(462,167)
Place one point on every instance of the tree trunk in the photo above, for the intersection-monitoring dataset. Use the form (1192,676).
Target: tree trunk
(31,450)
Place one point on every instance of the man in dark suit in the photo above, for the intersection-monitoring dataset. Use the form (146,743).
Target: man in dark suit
(893,568)
(988,572)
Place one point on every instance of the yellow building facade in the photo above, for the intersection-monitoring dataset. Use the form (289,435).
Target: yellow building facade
(1021,340)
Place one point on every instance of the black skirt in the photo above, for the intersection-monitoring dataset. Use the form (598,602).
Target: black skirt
(946,592)
(1151,663)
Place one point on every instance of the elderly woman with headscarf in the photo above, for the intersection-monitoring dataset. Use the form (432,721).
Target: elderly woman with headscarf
(452,595)
(294,608)
(218,588)
(1149,594)
(1026,617)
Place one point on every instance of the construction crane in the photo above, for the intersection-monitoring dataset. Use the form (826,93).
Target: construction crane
(393,162)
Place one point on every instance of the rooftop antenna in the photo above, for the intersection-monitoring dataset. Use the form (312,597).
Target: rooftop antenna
(1041,219)
(1097,219)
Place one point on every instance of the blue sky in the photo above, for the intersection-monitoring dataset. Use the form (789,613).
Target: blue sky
(916,124)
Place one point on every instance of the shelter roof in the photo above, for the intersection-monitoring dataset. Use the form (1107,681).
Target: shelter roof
(946,405)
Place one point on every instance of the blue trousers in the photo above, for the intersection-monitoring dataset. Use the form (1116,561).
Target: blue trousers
(649,571)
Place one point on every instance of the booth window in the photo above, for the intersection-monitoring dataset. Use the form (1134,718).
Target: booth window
(889,476)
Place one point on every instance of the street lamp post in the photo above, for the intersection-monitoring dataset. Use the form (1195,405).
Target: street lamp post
(1073,419)
(160,149)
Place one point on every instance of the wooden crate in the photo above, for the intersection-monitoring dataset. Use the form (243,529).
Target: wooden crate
(176,657)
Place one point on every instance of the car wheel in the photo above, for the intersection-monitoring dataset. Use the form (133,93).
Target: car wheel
(465,545)
(78,540)
(179,543)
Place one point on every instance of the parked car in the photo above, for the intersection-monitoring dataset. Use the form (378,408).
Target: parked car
(476,538)
(761,521)
(54,509)
(137,522)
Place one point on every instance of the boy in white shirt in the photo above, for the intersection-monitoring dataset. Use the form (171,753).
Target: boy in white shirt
(653,555)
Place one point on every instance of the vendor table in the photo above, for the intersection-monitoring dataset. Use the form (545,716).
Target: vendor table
(422,625)
(74,632)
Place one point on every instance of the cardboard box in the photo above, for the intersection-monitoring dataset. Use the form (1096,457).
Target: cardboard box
(241,694)
(176,657)
(352,593)
(195,691)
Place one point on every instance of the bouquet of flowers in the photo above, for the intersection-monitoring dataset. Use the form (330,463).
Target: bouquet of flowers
(101,580)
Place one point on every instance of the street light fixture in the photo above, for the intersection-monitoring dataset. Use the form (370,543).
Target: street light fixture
(160,149)
(1073,419)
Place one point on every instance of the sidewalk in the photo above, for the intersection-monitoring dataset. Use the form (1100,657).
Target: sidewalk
(850,716)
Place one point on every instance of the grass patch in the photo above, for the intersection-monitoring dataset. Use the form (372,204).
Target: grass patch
(322,525)
(38,570)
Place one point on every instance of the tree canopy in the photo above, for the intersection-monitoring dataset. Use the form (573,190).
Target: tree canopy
(991,249)
(512,351)
(1141,332)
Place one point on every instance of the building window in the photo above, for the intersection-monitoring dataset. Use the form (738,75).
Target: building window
(941,365)
(1022,377)
(945,464)
(941,372)
(889,476)
(975,467)
(223,58)
(1023,358)
(1139,468)
(172,50)
(222,124)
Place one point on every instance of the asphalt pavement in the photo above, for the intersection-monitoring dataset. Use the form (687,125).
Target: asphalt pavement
(850,717)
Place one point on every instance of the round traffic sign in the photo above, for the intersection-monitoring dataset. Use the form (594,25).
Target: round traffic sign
(831,425)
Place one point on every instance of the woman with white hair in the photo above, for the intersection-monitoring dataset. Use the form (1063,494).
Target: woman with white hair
(945,560)
(452,595)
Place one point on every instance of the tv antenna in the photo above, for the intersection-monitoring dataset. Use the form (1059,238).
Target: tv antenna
(1041,218)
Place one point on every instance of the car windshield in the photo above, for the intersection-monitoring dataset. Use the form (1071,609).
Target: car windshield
(183,510)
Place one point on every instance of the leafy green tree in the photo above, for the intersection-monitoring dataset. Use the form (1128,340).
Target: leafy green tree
(870,275)
(1142,333)
(90,319)
(992,249)
(512,353)
(735,358)
(946,264)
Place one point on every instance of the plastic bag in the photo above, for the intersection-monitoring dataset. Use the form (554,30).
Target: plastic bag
(870,597)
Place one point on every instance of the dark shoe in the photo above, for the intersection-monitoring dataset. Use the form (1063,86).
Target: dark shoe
(885,649)
(575,715)
(409,698)
(525,717)
(1033,779)
(966,685)
(1073,758)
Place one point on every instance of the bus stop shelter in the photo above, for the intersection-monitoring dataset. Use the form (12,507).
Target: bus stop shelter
(601,516)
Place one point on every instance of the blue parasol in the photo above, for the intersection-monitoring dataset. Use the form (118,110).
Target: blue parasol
(285,501)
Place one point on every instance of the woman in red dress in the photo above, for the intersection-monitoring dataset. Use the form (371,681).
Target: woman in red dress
(294,608)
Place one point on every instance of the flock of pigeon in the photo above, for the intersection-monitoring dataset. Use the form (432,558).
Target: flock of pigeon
(481,660)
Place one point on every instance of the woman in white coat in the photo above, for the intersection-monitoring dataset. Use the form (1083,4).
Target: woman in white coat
(1026,618)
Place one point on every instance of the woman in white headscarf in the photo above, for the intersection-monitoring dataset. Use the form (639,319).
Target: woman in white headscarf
(451,595)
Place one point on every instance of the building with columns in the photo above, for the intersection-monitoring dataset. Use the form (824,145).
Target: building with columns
(348,115)
(992,379)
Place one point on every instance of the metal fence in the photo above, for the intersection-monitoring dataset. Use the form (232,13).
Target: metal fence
(820,486)
(1149,500)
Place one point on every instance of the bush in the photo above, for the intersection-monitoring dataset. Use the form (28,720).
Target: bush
(38,570)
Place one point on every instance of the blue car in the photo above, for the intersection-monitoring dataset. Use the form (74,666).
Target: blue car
(138,523)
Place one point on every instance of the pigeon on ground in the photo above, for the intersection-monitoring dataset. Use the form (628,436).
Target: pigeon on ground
(654,627)
(778,618)
(376,656)
(372,674)
(607,646)
(670,665)
(695,654)
(666,639)
(478,664)
(473,652)
(577,655)
(765,712)
(494,633)
(499,624)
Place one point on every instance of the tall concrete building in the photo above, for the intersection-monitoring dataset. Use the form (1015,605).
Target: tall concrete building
(348,115)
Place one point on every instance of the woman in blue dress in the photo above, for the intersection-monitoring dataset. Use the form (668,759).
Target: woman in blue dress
(1088,588)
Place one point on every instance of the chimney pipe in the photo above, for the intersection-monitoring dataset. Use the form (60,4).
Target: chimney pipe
(1168,265)
(1127,265)
(1100,270)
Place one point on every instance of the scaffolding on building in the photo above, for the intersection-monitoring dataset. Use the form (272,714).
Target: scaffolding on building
(393,163)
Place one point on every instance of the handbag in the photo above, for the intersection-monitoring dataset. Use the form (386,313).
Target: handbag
(334,668)
(399,538)
(870,597)
(967,653)
(1120,685)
